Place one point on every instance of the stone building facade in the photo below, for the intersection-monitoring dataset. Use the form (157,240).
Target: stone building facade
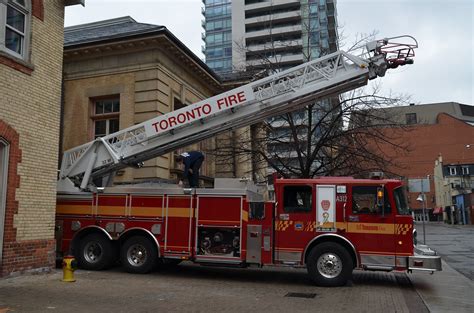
(31,52)
(118,73)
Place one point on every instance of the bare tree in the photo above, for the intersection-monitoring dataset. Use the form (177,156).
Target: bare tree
(323,139)
(337,136)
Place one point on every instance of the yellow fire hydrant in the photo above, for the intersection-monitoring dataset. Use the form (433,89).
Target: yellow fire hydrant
(69,266)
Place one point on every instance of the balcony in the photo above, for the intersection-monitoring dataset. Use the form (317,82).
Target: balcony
(276,45)
(277,59)
(279,17)
(273,31)
(331,20)
(330,5)
(298,120)
(270,4)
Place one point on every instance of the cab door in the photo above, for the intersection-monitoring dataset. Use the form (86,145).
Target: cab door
(403,227)
(371,226)
(294,216)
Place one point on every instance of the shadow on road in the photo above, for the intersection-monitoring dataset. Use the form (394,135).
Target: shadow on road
(272,275)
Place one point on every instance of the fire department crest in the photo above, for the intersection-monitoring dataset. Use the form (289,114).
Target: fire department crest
(325,204)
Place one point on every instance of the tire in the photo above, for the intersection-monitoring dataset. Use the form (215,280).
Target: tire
(95,252)
(329,264)
(138,255)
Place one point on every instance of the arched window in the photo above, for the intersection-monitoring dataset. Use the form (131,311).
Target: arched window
(3,188)
(15,17)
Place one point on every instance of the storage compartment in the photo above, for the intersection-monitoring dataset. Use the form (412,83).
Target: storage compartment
(219,241)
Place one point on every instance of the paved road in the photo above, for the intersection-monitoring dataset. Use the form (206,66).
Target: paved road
(452,289)
(201,289)
(455,244)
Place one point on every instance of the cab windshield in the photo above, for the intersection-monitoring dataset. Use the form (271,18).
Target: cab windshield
(401,201)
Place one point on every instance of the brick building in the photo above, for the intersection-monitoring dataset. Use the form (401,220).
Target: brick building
(31,52)
(429,133)
(118,73)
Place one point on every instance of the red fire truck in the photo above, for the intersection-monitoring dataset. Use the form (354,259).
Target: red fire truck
(331,225)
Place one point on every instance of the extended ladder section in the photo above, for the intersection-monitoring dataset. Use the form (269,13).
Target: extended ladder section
(277,94)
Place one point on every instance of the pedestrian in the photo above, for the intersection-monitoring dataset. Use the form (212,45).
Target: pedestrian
(192,161)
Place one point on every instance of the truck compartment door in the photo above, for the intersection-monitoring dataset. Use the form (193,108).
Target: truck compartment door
(178,218)
(254,243)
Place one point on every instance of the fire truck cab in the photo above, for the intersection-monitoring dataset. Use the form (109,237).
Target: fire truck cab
(330,225)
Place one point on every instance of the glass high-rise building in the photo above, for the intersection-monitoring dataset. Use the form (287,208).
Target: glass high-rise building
(218,34)
(250,34)
(267,36)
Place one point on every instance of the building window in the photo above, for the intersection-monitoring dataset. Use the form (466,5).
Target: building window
(465,170)
(452,170)
(411,118)
(15,18)
(106,113)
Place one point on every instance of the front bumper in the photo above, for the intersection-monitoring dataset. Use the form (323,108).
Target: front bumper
(424,259)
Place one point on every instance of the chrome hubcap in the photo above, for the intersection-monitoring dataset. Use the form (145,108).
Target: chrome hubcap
(137,255)
(329,265)
(92,252)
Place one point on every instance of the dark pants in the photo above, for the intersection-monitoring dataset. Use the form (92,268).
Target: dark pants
(194,177)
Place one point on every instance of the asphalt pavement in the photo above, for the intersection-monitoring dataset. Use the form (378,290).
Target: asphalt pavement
(451,290)
(455,243)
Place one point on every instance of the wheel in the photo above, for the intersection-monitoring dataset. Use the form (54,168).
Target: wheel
(95,252)
(138,255)
(329,264)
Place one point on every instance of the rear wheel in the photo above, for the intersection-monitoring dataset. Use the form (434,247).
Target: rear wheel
(329,264)
(95,252)
(138,255)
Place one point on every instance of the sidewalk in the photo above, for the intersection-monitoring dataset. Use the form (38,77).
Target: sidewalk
(445,291)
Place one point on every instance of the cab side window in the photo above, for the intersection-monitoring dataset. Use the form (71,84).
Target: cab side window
(364,200)
(297,199)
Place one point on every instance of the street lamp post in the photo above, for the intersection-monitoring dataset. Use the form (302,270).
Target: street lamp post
(421,198)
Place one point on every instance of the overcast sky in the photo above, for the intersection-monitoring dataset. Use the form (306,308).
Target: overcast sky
(444,62)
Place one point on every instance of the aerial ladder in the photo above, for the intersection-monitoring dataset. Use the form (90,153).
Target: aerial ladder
(274,95)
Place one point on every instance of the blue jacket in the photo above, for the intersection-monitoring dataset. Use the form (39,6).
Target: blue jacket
(189,158)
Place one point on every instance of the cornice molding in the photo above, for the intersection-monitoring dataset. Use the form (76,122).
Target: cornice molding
(161,42)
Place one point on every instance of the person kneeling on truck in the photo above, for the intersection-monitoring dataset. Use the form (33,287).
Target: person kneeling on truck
(192,161)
